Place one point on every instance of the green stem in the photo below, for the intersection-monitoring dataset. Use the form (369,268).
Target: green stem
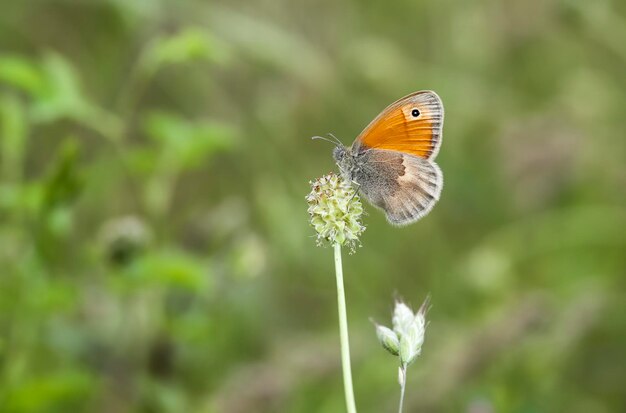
(343,333)
(402,386)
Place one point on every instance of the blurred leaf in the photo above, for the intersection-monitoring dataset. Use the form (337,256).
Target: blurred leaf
(171,269)
(64,181)
(13,134)
(249,257)
(63,98)
(54,86)
(22,73)
(60,220)
(56,392)
(189,45)
(61,188)
(164,397)
(26,199)
(188,143)
(183,145)
(267,42)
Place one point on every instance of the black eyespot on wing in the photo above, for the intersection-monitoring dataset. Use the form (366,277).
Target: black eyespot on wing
(415,113)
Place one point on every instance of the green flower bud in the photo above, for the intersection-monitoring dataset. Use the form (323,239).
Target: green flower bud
(408,352)
(388,339)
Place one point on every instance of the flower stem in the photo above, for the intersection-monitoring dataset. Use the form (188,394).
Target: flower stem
(402,386)
(343,333)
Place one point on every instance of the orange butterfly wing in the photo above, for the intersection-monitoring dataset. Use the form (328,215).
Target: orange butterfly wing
(412,124)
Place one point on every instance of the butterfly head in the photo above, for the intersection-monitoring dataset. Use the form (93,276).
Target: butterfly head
(345,161)
(343,157)
(340,153)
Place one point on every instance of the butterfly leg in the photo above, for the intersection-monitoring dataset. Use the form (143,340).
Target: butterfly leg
(356,191)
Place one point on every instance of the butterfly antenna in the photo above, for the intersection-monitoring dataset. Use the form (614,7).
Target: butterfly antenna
(325,139)
(335,139)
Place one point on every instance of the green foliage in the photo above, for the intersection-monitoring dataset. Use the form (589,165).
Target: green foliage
(187,46)
(51,393)
(14,137)
(187,144)
(171,270)
(23,74)
(155,254)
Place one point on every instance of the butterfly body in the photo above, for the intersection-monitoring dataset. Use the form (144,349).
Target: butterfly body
(391,161)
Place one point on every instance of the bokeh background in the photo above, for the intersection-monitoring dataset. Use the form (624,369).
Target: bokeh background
(155,253)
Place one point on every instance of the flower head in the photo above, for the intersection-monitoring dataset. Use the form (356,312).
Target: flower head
(335,211)
(407,336)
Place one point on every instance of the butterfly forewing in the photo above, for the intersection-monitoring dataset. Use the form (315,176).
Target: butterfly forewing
(412,124)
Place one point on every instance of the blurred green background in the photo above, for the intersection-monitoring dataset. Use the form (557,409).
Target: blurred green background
(155,253)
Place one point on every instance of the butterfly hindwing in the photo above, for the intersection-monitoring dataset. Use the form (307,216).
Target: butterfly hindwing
(406,187)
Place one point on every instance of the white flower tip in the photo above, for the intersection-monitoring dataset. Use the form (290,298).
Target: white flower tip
(425,306)
(402,318)
(410,329)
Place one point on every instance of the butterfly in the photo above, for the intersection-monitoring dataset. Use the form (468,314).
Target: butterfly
(392,161)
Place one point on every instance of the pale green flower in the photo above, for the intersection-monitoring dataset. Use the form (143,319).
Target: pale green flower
(335,211)
(407,336)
